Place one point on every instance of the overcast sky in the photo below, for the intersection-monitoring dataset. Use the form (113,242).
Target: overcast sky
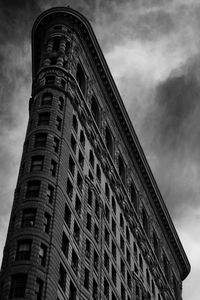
(153,50)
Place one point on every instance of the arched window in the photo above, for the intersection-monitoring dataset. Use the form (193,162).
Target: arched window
(121,166)
(91,158)
(80,77)
(144,221)
(155,244)
(95,111)
(133,195)
(75,123)
(109,141)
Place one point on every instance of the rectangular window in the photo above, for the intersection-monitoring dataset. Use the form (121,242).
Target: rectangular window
(122,243)
(107,236)
(28,217)
(67,216)
(78,206)
(113,226)
(62,277)
(74,262)
(97,208)
(107,213)
(33,188)
(122,268)
(129,280)
(90,197)
(47,99)
(69,189)
(141,262)
(43,254)
(123,292)
(40,140)
(96,233)
(79,182)
(73,144)
(86,278)
(114,275)
(76,233)
(56,143)
(96,261)
(71,165)
(114,250)
(61,103)
(58,123)
(81,160)
(39,289)
(106,261)
(89,222)
(128,256)
(50,79)
(127,235)
(95,290)
(37,163)
(23,250)
(106,288)
(65,244)
(50,193)
(43,119)
(87,249)
(47,221)
(18,286)
(72,291)
(53,167)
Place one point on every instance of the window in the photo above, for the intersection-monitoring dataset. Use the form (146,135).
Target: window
(95,290)
(113,296)
(87,249)
(53,60)
(47,221)
(133,195)
(97,207)
(129,280)
(141,262)
(62,278)
(123,293)
(44,118)
(95,111)
(23,250)
(33,189)
(39,288)
(96,233)
(114,250)
(69,188)
(56,44)
(74,262)
(28,217)
(89,222)
(61,103)
(50,79)
(107,213)
(153,287)
(155,245)
(135,251)
(43,254)
(122,243)
(175,287)
(78,206)
(80,77)
(73,144)
(71,165)
(79,182)
(128,257)
(82,139)
(37,163)
(121,168)
(106,288)
(58,123)
(65,244)
(165,266)
(53,167)
(56,143)
(81,160)
(91,176)
(40,140)
(96,261)
(50,193)
(113,226)
(113,205)
(109,141)
(18,285)
(107,191)
(62,83)
(86,278)
(127,235)
(91,158)
(147,276)
(121,222)
(75,123)
(144,221)
(67,216)
(107,236)
(72,291)
(90,197)
(122,268)
(106,261)
(114,275)
(98,173)
(47,99)
(76,233)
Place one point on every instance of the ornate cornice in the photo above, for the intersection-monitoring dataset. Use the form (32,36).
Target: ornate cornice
(86,34)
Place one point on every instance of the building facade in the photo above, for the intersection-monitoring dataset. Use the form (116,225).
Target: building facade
(88,220)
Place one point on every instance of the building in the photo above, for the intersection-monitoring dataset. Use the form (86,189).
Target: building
(88,220)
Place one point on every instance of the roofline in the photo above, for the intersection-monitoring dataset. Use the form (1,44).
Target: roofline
(110,86)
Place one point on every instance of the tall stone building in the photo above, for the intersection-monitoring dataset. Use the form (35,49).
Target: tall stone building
(88,220)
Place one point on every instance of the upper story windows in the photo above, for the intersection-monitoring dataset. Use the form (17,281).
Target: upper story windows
(109,141)
(75,123)
(80,77)
(56,44)
(91,158)
(121,168)
(37,163)
(95,111)
(155,245)
(82,139)
(133,195)
(47,99)
(18,285)
(44,118)
(145,221)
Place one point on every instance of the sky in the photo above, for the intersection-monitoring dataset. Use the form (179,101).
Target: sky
(152,48)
